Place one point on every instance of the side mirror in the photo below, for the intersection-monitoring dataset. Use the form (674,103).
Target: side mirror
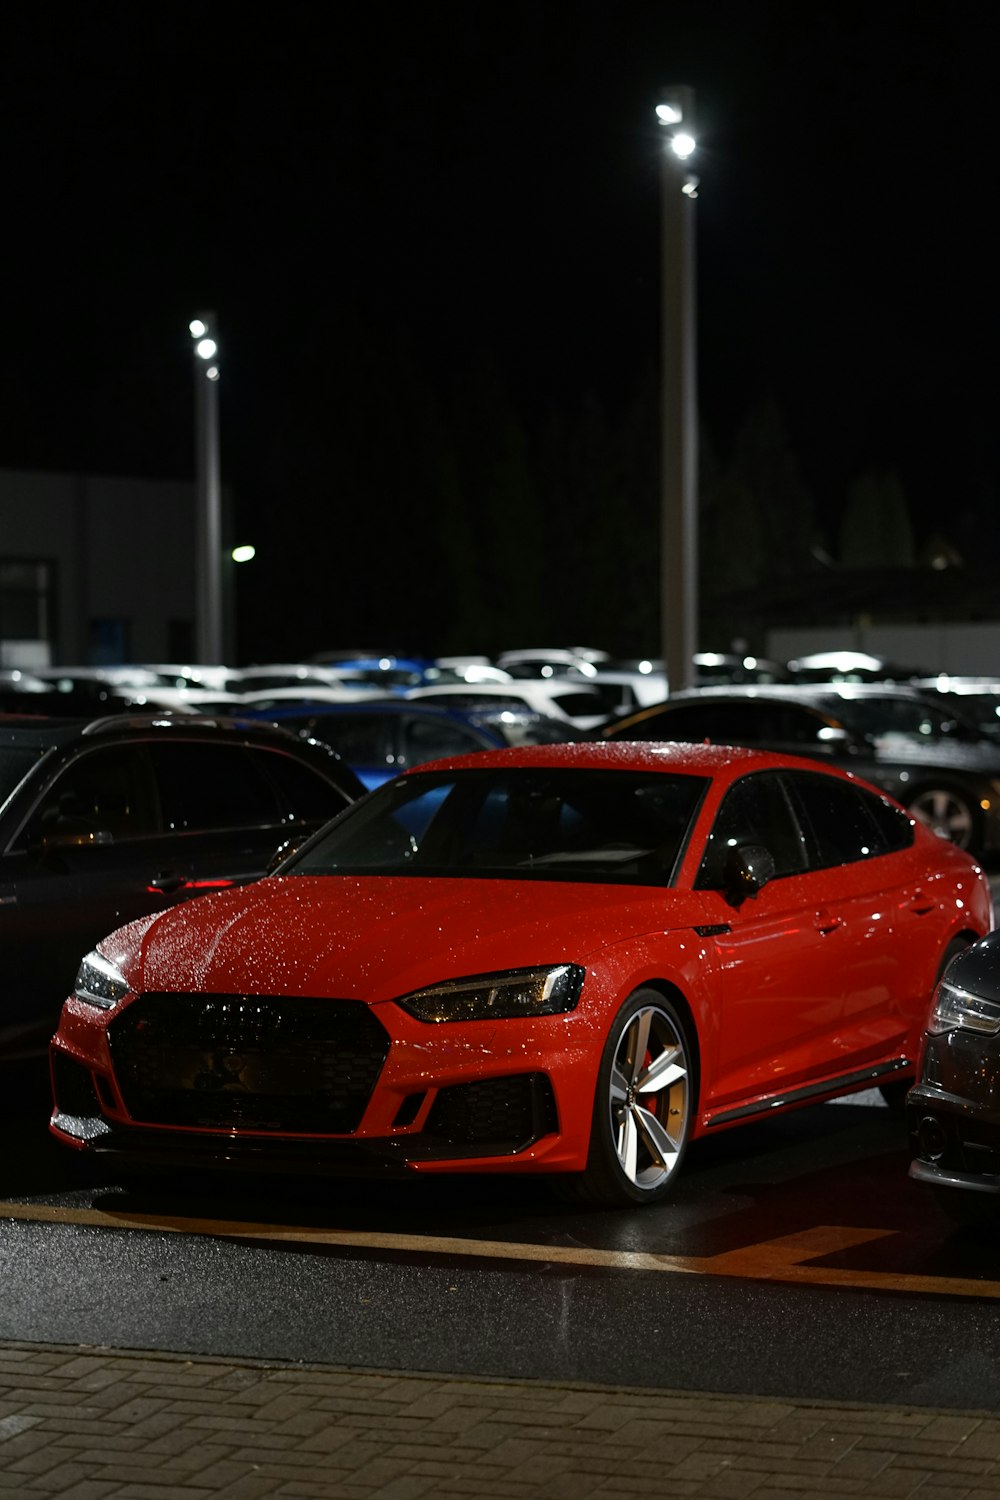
(748,869)
(284,851)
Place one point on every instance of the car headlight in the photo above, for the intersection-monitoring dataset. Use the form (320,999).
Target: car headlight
(959,1009)
(99,982)
(492,997)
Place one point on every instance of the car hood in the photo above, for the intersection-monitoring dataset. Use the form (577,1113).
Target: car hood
(374,938)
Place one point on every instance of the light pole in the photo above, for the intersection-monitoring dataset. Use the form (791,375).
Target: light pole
(679,453)
(208,535)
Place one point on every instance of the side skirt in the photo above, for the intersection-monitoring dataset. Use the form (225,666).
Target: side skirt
(829,1089)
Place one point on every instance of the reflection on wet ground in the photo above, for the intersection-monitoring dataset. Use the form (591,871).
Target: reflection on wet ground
(834,1165)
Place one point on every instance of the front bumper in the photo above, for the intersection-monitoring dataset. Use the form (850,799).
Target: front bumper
(953,1114)
(344,1096)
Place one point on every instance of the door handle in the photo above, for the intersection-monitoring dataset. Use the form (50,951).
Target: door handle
(166,882)
(826,922)
(920,904)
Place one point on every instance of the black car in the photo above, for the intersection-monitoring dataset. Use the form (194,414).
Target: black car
(953,1109)
(109,819)
(915,745)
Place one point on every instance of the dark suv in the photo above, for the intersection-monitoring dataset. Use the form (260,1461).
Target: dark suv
(111,819)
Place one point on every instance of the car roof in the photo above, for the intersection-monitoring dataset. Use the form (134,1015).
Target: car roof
(40,732)
(310,708)
(627,755)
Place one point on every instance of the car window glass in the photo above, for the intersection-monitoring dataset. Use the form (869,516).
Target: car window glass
(360,738)
(754,811)
(556,825)
(205,786)
(798,724)
(694,721)
(429,739)
(576,705)
(842,827)
(15,763)
(305,793)
(894,825)
(107,790)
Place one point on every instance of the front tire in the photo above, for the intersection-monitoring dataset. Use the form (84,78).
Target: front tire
(643,1106)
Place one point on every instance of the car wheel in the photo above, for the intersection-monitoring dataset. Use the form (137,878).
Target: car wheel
(644,1104)
(947,812)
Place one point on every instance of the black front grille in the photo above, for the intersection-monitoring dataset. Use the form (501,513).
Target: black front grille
(248,1062)
(510,1113)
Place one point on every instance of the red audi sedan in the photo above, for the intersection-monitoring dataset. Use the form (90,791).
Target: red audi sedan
(566,959)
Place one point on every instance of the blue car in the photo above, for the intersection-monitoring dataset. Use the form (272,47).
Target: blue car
(384,671)
(380,739)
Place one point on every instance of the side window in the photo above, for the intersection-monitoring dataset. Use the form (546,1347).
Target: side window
(360,738)
(895,826)
(797,724)
(108,790)
(306,794)
(693,721)
(206,786)
(425,739)
(754,811)
(839,818)
(577,705)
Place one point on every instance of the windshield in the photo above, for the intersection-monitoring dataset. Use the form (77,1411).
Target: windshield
(528,822)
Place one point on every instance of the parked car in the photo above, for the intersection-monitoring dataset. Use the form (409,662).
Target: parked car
(570,959)
(21,691)
(848,666)
(385,671)
(574,700)
(913,744)
(550,661)
(380,739)
(976,699)
(262,678)
(953,1110)
(105,820)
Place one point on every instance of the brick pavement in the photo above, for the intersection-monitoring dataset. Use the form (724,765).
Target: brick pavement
(85,1424)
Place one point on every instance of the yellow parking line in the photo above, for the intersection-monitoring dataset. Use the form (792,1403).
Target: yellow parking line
(786,1259)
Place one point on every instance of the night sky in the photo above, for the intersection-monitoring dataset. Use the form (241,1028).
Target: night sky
(479,181)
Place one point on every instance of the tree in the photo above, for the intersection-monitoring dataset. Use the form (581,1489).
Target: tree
(765,467)
(875,531)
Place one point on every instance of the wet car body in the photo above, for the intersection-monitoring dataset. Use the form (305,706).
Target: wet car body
(567,959)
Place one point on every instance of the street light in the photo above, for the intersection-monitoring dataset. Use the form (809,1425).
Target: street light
(679,453)
(208,535)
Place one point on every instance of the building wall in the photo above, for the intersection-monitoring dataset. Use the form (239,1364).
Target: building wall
(960,648)
(121,550)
